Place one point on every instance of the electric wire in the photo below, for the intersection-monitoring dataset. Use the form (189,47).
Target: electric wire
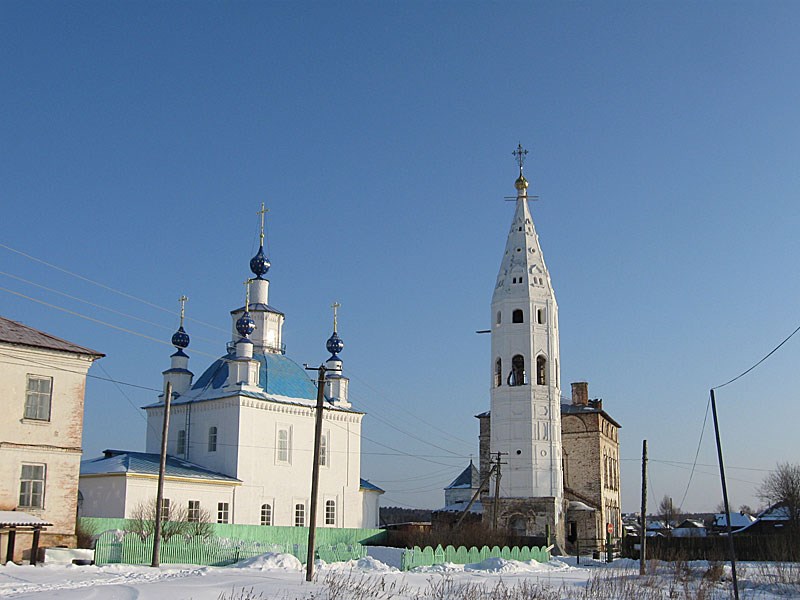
(112,310)
(104,286)
(697,453)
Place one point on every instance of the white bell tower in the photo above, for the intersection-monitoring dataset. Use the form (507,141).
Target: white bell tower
(525,386)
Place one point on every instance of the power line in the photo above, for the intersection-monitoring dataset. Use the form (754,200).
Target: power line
(697,453)
(770,353)
(103,285)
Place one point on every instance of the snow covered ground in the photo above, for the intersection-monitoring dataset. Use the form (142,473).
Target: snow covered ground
(281,577)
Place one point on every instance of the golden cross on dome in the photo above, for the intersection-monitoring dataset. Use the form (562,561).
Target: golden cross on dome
(520,154)
(182,300)
(262,212)
(335,306)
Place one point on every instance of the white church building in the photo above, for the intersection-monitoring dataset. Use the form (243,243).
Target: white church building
(241,436)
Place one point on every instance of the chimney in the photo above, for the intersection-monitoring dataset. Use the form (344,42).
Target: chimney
(580,393)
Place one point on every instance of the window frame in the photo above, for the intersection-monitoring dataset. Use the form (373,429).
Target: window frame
(330,512)
(266,514)
(223,513)
(213,437)
(27,493)
(283,448)
(180,442)
(42,402)
(193,511)
(300,514)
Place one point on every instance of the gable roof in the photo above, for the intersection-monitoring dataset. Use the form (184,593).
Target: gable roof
(12,332)
(369,487)
(147,463)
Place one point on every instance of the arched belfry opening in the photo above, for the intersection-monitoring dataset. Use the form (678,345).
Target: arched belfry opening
(498,372)
(517,375)
(517,316)
(541,370)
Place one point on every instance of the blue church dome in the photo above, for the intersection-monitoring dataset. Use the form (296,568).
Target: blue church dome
(278,375)
(180,339)
(260,264)
(245,324)
(334,345)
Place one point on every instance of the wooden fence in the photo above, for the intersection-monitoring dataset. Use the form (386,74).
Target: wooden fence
(130,548)
(419,557)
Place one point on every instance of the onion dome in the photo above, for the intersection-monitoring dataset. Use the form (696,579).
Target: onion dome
(334,346)
(259,264)
(521,183)
(180,339)
(245,324)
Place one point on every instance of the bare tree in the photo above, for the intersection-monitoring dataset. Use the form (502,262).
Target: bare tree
(782,486)
(667,511)
(174,521)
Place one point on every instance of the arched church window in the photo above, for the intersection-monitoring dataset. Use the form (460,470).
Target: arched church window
(517,375)
(516,316)
(499,317)
(266,514)
(498,373)
(541,370)
(540,316)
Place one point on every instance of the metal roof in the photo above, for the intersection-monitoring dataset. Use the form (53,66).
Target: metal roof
(14,518)
(146,463)
(278,375)
(366,485)
(12,332)
(469,478)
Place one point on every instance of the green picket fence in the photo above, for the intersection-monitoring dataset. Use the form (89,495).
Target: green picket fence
(419,557)
(130,548)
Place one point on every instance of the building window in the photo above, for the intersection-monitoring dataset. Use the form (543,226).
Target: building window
(165,509)
(499,317)
(222,512)
(193,514)
(37,398)
(180,447)
(299,515)
(283,450)
(541,370)
(516,316)
(266,514)
(540,316)
(323,450)
(517,376)
(212,439)
(31,486)
(498,373)
(330,512)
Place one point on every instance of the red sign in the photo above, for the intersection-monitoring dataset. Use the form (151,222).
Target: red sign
(610,528)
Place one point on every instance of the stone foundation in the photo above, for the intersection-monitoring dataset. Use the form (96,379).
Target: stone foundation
(529,517)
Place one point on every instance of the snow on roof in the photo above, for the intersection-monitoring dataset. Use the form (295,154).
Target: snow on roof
(738,519)
(14,518)
(144,463)
(469,478)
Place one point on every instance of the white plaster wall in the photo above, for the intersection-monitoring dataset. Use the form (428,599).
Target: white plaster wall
(118,496)
(371,509)
(55,443)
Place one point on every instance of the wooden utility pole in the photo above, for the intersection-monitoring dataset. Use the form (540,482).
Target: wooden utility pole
(162,467)
(731,548)
(484,482)
(497,476)
(643,535)
(312,526)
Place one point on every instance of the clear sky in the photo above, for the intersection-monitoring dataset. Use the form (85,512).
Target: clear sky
(139,139)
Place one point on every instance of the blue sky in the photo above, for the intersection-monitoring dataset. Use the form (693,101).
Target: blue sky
(140,138)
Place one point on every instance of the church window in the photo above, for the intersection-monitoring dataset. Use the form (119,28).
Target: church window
(212,439)
(541,370)
(517,375)
(499,317)
(180,446)
(283,454)
(223,512)
(520,229)
(299,515)
(540,316)
(517,316)
(266,514)
(193,514)
(330,512)
(165,509)
(323,450)
(498,373)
